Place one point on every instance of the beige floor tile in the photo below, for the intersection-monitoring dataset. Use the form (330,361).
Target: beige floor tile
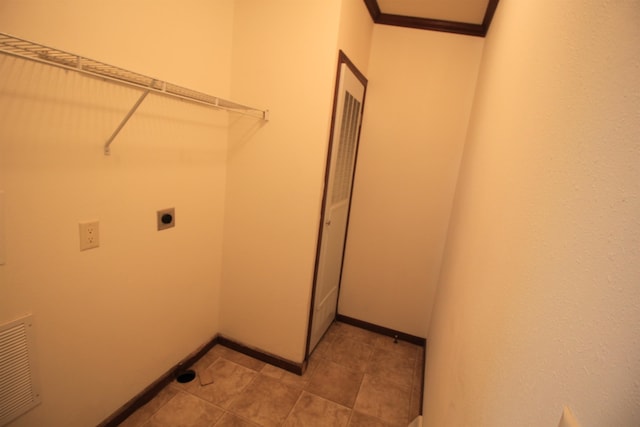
(332,332)
(266,401)
(211,356)
(355,377)
(415,403)
(383,399)
(336,383)
(272,371)
(349,331)
(312,410)
(393,366)
(241,359)
(351,353)
(186,410)
(294,380)
(401,348)
(231,420)
(420,363)
(323,347)
(143,414)
(359,419)
(229,380)
(301,381)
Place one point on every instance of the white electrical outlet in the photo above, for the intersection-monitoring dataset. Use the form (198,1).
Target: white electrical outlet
(89,235)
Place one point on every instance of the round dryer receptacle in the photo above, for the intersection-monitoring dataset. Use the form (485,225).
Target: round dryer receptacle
(166,218)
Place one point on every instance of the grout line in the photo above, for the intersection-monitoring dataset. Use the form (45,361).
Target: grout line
(294,406)
(233,414)
(353,408)
(243,390)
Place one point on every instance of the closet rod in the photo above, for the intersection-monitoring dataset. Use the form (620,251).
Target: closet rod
(25,49)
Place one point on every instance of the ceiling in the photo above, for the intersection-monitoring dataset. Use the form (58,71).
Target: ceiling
(471,17)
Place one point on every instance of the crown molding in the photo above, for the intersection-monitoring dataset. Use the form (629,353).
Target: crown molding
(478,30)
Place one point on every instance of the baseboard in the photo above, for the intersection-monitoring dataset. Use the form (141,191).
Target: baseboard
(153,389)
(424,364)
(296,368)
(382,330)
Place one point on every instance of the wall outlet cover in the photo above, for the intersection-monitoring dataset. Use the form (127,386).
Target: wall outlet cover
(89,235)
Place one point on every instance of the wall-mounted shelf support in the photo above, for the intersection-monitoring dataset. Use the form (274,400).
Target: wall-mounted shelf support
(25,49)
(107,148)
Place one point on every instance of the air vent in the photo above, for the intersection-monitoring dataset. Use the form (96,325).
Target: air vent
(18,386)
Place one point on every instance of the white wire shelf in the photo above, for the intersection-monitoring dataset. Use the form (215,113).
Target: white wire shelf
(25,49)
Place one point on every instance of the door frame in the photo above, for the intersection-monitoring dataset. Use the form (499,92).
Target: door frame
(342,59)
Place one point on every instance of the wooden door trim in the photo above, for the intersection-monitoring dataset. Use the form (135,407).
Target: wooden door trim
(342,59)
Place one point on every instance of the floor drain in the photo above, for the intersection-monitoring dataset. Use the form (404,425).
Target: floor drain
(186,376)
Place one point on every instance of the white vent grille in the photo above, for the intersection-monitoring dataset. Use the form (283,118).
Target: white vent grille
(18,389)
(346,149)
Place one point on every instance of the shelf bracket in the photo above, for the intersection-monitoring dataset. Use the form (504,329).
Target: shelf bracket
(31,51)
(107,145)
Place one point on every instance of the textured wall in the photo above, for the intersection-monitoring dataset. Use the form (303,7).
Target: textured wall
(111,320)
(416,112)
(284,58)
(355,33)
(539,303)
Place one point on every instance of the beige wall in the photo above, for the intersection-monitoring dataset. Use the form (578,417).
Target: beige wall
(111,320)
(539,303)
(151,293)
(355,33)
(284,57)
(417,107)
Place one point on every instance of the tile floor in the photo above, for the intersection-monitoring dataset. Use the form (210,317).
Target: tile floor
(355,378)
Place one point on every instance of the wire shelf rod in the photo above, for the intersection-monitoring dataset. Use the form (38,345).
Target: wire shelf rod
(32,51)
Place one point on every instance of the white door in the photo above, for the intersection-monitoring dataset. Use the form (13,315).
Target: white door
(344,144)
